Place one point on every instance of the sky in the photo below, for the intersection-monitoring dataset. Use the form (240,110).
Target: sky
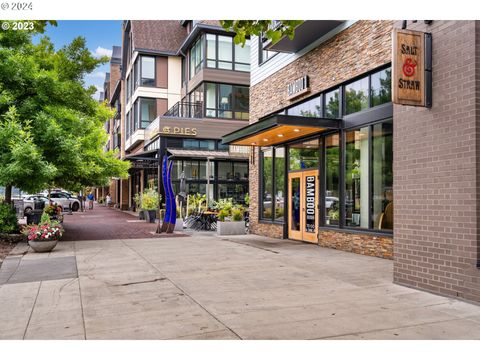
(101,35)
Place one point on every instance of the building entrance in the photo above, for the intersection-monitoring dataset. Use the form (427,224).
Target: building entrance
(303,205)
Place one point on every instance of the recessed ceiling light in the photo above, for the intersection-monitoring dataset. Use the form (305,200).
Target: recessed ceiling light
(280,135)
(254,143)
(296,130)
(265,139)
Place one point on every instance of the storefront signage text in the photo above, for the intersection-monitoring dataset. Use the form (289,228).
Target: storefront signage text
(409,79)
(310,211)
(298,87)
(175,130)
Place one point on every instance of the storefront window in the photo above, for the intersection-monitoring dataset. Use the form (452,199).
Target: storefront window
(235,191)
(356,96)
(191,169)
(279,183)
(309,108)
(267,183)
(332,104)
(304,155)
(225,171)
(240,171)
(203,170)
(332,176)
(356,178)
(176,169)
(148,71)
(382,173)
(381,88)
(148,111)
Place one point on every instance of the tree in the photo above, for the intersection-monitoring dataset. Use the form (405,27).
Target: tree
(50,117)
(246,28)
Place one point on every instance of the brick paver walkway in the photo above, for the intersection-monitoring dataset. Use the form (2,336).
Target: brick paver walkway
(104,223)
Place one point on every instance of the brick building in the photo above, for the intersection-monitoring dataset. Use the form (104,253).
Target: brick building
(336,163)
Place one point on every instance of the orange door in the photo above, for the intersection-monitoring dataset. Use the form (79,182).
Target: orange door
(303,206)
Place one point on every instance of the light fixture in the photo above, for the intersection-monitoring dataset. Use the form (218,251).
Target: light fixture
(254,143)
(265,139)
(296,130)
(280,135)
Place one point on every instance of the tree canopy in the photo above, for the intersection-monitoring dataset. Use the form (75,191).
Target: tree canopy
(246,28)
(51,129)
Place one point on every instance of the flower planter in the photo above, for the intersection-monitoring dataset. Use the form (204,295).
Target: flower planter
(42,246)
(230,228)
(141,215)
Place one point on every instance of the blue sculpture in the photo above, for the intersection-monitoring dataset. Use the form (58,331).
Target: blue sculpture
(170,218)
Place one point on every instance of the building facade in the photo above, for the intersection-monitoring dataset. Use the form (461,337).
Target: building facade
(336,163)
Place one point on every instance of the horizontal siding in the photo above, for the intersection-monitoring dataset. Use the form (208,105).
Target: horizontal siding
(260,73)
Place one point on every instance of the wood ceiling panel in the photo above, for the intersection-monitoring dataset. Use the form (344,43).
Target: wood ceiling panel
(278,135)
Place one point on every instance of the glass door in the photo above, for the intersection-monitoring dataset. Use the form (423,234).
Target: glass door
(303,206)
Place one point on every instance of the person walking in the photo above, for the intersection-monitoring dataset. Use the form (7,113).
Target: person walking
(90,199)
(108,199)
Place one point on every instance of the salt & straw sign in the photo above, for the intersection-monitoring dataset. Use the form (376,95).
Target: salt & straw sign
(408,80)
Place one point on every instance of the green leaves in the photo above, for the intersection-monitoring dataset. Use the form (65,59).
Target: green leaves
(247,28)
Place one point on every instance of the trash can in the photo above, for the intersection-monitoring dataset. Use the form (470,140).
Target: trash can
(34,216)
(38,205)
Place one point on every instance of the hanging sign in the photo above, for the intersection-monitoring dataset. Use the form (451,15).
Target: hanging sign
(411,80)
(310,211)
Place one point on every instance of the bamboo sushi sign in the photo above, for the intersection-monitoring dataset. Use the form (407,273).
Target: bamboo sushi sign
(409,75)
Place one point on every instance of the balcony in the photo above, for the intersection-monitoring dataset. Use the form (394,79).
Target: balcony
(186,110)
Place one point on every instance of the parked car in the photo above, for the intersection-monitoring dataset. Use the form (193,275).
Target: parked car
(28,202)
(65,199)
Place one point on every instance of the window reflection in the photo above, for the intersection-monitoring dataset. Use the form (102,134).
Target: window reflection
(332,175)
(304,155)
(356,96)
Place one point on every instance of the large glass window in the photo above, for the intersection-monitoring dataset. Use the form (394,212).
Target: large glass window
(273,183)
(211,100)
(148,111)
(240,171)
(304,155)
(196,57)
(356,178)
(225,101)
(279,184)
(356,96)
(231,101)
(235,191)
(381,87)
(225,170)
(223,54)
(148,71)
(267,183)
(309,108)
(382,176)
(332,177)
(332,104)
(225,50)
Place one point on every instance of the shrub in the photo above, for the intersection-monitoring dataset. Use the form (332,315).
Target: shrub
(45,218)
(247,199)
(8,219)
(222,214)
(150,199)
(237,214)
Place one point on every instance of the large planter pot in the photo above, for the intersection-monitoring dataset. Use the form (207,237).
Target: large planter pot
(141,215)
(230,228)
(42,246)
(150,215)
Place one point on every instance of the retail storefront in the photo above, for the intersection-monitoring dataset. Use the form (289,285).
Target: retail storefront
(335,162)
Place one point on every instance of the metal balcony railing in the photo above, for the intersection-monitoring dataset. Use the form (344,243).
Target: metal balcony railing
(186,110)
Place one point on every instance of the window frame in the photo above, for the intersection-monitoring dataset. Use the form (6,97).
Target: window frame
(234,109)
(140,76)
(261,59)
(272,219)
(216,60)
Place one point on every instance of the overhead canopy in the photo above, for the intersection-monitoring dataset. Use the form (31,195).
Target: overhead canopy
(278,129)
(206,154)
(143,156)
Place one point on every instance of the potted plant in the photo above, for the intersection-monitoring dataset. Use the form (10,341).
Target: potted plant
(333,217)
(44,236)
(230,218)
(137,199)
(150,200)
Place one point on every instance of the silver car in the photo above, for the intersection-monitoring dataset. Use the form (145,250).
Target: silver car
(65,200)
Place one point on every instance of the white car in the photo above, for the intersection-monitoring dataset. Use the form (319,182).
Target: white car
(65,200)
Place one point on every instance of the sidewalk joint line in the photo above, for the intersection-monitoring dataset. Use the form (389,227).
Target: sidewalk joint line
(183,291)
(80,292)
(31,312)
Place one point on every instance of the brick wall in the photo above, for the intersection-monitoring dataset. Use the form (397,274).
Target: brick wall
(362,47)
(436,175)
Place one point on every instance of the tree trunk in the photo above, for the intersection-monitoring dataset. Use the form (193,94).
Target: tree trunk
(8,194)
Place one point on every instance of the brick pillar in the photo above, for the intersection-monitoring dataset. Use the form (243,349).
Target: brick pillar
(124,194)
(436,173)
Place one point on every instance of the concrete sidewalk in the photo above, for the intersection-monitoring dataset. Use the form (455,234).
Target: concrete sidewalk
(204,287)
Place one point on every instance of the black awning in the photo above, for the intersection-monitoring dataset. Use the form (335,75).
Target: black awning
(277,129)
(149,155)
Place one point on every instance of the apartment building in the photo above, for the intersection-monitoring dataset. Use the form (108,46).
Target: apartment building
(336,163)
